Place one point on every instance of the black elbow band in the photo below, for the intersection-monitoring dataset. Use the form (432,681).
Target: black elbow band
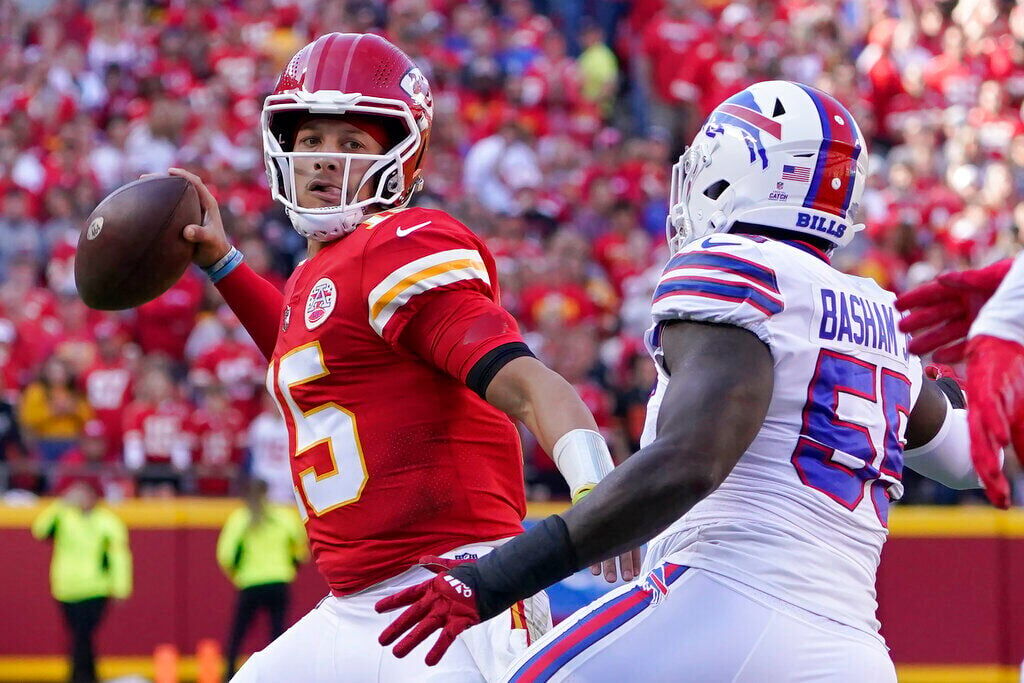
(521,568)
(953,392)
(480,376)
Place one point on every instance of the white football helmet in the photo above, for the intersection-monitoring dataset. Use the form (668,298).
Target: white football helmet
(778,154)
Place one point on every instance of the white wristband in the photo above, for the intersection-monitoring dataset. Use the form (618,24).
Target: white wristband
(583,458)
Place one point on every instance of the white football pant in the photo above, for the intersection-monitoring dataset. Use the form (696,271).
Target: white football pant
(678,624)
(337,641)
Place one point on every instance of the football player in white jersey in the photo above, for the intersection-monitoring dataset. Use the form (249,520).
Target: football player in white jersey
(786,407)
(979,315)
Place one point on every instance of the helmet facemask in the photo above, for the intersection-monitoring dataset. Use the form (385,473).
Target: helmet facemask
(383,173)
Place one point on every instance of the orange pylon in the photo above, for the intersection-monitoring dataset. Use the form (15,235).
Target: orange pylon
(165,664)
(209,663)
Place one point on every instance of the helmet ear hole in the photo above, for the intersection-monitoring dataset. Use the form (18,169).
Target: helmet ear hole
(715,189)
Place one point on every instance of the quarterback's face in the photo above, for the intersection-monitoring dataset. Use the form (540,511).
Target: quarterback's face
(319,180)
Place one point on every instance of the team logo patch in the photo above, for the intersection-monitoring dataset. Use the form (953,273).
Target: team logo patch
(466,556)
(287,318)
(320,303)
(415,84)
(94,228)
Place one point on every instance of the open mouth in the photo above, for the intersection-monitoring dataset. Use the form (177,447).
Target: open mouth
(326,192)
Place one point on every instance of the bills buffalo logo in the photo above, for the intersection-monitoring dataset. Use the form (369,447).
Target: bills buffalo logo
(320,302)
(741,115)
(656,585)
(415,84)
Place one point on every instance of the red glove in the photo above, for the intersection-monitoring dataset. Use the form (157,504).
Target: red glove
(948,306)
(443,602)
(995,384)
(939,371)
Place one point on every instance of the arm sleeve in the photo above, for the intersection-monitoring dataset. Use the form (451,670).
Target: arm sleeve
(947,457)
(455,330)
(120,559)
(1002,315)
(45,525)
(727,283)
(257,303)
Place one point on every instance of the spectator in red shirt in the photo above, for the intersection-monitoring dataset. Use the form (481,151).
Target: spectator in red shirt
(156,444)
(108,385)
(218,434)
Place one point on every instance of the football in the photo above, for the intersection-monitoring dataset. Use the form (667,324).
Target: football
(132,249)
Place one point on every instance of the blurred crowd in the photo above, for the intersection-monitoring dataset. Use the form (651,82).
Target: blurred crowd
(556,123)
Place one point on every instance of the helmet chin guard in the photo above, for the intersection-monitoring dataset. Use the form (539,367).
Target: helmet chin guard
(777,154)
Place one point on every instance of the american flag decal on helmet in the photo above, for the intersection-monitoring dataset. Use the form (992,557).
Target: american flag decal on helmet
(799,173)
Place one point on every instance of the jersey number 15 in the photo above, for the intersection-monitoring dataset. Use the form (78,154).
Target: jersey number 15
(325,427)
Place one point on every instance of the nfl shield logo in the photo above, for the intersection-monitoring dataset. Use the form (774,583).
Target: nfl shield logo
(320,303)
(287,318)
(779,185)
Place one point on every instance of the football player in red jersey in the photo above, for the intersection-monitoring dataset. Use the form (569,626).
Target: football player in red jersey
(395,367)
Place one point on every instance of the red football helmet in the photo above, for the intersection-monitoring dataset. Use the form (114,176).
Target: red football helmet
(349,74)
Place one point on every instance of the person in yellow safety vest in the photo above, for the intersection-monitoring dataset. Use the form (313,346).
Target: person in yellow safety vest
(91,563)
(259,549)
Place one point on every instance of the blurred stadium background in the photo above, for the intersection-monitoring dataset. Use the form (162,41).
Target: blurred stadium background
(556,124)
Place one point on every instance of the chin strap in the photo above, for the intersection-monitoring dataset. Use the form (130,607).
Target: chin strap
(325,227)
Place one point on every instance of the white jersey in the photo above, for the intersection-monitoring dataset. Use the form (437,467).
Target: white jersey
(803,515)
(268,444)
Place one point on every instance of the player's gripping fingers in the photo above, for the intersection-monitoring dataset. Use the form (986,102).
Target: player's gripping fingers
(402,598)
(927,316)
(206,198)
(404,622)
(926,295)
(418,634)
(954,353)
(985,447)
(939,336)
(444,641)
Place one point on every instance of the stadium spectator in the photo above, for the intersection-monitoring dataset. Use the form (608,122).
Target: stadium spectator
(156,443)
(267,441)
(91,563)
(53,411)
(259,549)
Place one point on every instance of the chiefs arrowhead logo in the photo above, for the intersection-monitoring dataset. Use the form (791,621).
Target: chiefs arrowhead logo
(320,303)
(415,84)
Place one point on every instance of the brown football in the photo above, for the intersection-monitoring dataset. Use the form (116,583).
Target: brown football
(132,250)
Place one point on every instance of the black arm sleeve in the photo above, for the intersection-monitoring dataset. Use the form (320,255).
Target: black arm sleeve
(953,392)
(481,374)
(524,566)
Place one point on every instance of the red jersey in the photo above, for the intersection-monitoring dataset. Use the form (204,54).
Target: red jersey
(239,368)
(394,457)
(108,388)
(156,434)
(217,443)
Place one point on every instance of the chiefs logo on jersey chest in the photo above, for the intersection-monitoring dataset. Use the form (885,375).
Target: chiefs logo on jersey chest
(320,302)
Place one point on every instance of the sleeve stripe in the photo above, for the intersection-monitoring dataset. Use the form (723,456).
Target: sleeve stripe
(707,259)
(710,274)
(384,303)
(720,291)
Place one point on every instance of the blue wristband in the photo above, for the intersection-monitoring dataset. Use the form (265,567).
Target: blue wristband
(222,268)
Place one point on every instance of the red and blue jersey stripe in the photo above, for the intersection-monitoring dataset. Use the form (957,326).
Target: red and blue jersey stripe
(751,283)
(591,629)
(837,156)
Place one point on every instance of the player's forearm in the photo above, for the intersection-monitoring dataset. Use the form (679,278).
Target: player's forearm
(541,399)
(1003,315)
(257,303)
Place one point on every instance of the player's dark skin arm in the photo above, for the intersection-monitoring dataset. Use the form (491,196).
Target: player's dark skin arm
(718,395)
(717,398)
(927,416)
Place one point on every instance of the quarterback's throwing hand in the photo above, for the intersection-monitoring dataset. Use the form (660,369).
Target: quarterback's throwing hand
(443,602)
(995,388)
(941,312)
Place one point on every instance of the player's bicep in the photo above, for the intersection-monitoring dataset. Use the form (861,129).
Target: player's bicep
(465,334)
(720,386)
(928,415)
